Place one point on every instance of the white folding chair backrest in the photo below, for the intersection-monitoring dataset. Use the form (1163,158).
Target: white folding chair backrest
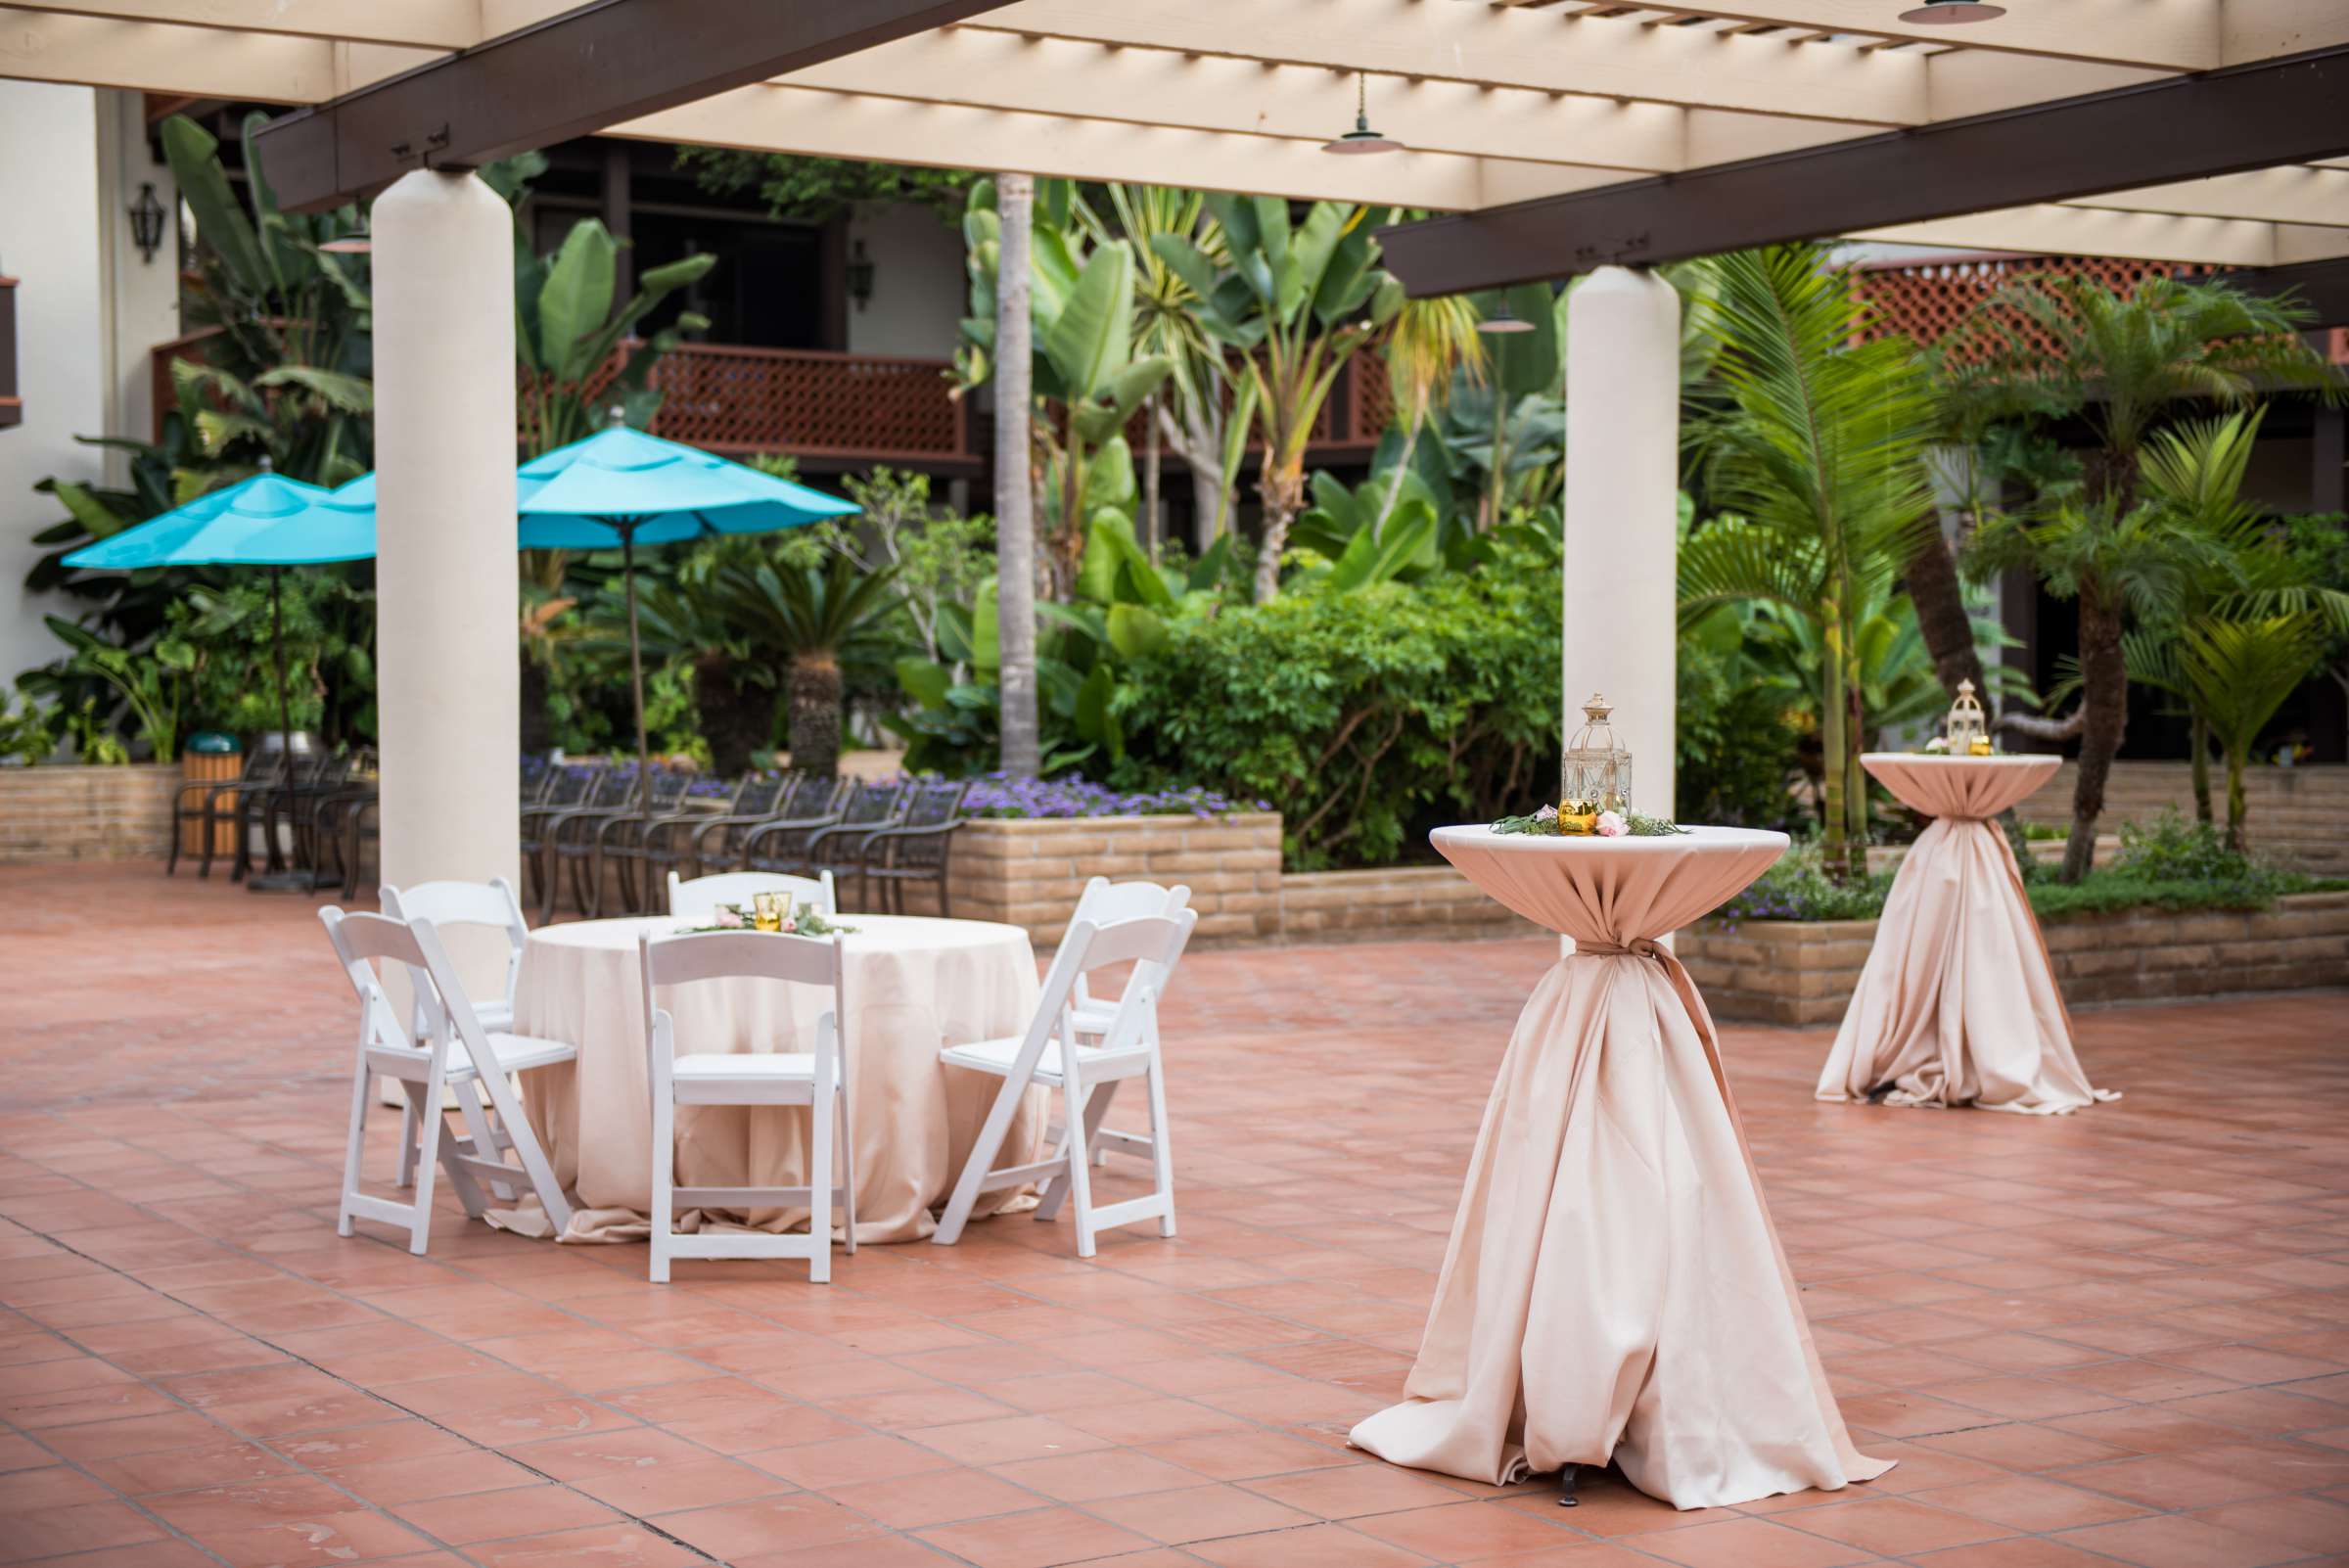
(719,954)
(1152,944)
(362,942)
(699,898)
(491,903)
(1104,902)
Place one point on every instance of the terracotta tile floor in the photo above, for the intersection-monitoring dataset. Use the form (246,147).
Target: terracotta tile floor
(2116,1337)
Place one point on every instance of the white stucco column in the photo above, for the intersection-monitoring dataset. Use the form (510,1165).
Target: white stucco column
(1623,414)
(447,669)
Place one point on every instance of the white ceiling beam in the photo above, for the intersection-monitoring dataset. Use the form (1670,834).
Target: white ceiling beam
(2050,230)
(2300,193)
(1960,82)
(1506,48)
(2261,29)
(442,24)
(199,62)
(2166,34)
(1308,103)
(799,119)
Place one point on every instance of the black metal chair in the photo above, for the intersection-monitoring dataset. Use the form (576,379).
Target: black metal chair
(326,830)
(208,803)
(917,849)
(577,839)
(572,786)
(781,842)
(678,844)
(840,848)
(621,841)
(265,808)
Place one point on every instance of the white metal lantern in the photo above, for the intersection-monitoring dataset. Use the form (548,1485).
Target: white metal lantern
(1968,734)
(1595,773)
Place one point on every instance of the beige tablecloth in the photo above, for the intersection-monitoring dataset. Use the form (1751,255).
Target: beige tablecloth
(1957,1004)
(913,985)
(1613,1288)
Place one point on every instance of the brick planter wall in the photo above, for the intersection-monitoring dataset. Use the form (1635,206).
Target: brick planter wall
(1029,873)
(86,813)
(1398,902)
(2295,813)
(1798,971)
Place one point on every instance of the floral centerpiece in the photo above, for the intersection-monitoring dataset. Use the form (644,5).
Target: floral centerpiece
(1606,824)
(780,917)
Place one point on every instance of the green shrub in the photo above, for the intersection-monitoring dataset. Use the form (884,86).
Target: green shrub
(1798,888)
(1365,717)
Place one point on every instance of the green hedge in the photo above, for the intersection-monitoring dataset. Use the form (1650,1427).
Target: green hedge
(1365,716)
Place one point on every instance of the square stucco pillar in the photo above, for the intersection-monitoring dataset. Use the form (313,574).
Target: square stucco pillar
(447,665)
(1623,437)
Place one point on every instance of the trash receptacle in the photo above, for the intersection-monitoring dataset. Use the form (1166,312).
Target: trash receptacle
(209,758)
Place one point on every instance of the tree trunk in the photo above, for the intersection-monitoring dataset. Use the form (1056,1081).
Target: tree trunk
(814,717)
(2104,703)
(1413,420)
(537,731)
(1153,524)
(737,716)
(1855,777)
(1283,495)
(2238,827)
(1931,576)
(1015,495)
(2198,746)
(1834,744)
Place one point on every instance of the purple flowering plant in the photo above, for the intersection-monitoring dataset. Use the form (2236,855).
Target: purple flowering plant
(1013,795)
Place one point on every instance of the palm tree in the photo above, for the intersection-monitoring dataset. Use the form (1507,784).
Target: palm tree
(1820,449)
(821,618)
(1429,343)
(2236,674)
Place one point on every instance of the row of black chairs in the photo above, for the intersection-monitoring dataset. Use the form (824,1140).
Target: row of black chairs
(296,812)
(591,828)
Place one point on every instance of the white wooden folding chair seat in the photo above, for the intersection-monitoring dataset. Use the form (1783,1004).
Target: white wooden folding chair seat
(1104,902)
(820,1080)
(1054,1055)
(490,905)
(455,1050)
(698,898)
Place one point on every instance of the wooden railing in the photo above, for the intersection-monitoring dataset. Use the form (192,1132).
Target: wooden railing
(845,410)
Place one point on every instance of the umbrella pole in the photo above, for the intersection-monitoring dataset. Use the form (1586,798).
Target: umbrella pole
(627,558)
(281,875)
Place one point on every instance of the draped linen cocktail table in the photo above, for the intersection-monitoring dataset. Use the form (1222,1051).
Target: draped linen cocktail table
(1613,1288)
(1957,1004)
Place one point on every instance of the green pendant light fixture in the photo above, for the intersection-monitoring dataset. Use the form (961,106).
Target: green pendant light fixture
(1361,139)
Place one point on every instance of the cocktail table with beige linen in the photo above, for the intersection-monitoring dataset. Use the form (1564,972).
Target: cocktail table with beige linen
(1613,1288)
(1957,1004)
(913,985)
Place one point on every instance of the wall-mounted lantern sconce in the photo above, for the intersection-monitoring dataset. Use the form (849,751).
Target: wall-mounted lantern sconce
(860,275)
(147,223)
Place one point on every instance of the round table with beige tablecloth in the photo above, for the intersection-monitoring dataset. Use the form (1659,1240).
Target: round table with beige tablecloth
(913,985)
(1613,1288)
(1957,1004)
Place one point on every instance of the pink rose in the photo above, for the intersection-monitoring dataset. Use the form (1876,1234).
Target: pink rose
(726,916)
(788,927)
(1547,814)
(1610,825)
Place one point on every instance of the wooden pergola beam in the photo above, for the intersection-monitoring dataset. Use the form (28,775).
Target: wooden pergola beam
(570,75)
(2284,111)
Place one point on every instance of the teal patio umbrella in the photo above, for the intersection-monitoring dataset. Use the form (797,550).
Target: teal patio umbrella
(264,521)
(620,486)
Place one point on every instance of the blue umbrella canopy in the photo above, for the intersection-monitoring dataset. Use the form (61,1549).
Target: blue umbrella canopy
(267,520)
(621,485)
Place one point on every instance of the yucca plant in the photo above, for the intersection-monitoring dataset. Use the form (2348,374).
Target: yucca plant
(815,618)
(1820,452)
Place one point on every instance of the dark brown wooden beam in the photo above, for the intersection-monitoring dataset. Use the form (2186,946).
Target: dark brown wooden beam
(2291,110)
(568,75)
(2321,286)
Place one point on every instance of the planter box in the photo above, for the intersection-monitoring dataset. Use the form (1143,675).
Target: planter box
(1029,873)
(86,813)
(2296,813)
(1803,972)
(1428,900)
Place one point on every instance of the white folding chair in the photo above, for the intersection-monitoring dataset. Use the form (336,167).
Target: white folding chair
(699,898)
(424,1067)
(1053,1054)
(819,1080)
(491,905)
(1104,902)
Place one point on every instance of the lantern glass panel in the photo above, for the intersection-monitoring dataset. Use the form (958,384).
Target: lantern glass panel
(1594,774)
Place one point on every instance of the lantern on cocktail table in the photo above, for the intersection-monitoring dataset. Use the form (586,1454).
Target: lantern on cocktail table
(1594,774)
(1968,732)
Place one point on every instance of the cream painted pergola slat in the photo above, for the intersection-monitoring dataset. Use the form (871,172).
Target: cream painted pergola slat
(2066,230)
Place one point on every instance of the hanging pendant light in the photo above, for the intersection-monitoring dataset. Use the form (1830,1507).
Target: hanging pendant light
(358,244)
(1506,320)
(1953,13)
(1361,139)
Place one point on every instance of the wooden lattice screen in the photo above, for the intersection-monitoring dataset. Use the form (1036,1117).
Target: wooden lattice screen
(1929,300)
